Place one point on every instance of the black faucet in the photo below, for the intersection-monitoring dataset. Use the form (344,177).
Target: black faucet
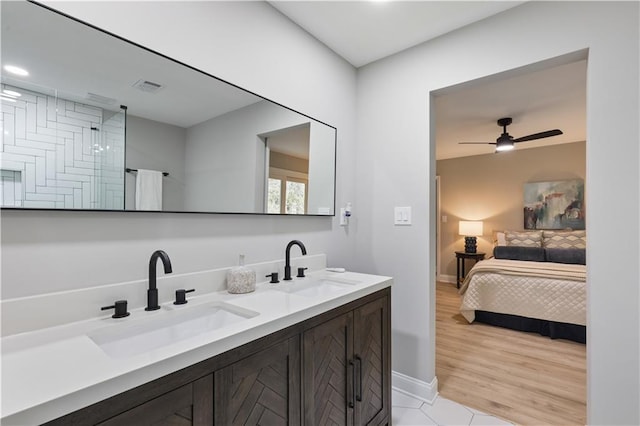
(287,258)
(152,292)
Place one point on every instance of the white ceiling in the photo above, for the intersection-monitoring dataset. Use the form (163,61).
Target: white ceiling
(365,31)
(545,99)
(293,141)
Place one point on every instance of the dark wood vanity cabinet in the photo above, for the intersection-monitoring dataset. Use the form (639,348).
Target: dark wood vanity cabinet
(332,369)
(262,389)
(188,405)
(346,368)
(372,355)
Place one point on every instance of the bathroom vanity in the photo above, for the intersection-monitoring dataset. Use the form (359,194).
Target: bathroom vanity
(295,373)
(313,351)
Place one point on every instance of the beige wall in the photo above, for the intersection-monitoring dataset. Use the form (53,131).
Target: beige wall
(489,188)
(288,162)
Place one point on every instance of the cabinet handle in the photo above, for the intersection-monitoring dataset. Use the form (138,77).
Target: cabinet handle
(351,389)
(359,376)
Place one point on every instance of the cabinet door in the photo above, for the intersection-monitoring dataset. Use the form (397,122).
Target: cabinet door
(328,372)
(262,389)
(372,357)
(187,405)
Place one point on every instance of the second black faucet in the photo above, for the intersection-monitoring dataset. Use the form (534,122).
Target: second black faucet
(287,258)
(152,292)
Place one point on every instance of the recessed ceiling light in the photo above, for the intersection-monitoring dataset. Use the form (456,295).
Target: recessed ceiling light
(11,93)
(16,70)
(6,98)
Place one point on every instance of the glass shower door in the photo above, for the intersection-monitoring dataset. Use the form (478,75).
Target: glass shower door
(109,150)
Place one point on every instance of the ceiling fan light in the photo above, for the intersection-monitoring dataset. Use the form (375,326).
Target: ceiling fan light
(504,147)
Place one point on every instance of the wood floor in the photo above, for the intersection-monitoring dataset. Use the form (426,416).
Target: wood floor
(521,377)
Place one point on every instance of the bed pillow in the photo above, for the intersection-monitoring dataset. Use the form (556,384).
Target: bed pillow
(524,238)
(535,254)
(499,238)
(564,239)
(576,256)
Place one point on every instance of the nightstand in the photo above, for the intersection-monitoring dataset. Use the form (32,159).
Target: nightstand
(460,257)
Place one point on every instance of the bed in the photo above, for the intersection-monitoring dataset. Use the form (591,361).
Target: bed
(535,289)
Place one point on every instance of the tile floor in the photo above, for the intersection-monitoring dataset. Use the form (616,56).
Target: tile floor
(408,411)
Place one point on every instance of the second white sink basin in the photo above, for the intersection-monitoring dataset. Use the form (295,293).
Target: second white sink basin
(318,287)
(166,327)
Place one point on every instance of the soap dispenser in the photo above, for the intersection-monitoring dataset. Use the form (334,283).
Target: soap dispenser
(241,279)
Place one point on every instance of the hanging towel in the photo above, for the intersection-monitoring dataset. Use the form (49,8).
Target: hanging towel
(148,190)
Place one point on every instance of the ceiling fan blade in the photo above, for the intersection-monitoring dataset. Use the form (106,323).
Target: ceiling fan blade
(540,135)
(471,143)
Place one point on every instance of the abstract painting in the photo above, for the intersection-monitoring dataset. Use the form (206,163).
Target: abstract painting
(554,205)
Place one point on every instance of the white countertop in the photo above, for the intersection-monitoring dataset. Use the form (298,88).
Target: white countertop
(50,372)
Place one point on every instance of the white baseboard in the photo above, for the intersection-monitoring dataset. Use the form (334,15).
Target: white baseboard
(427,392)
(446,279)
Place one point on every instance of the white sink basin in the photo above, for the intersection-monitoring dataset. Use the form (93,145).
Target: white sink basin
(166,327)
(320,290)
(318,287)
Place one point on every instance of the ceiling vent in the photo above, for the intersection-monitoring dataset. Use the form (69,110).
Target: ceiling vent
(100,99)
(147,86)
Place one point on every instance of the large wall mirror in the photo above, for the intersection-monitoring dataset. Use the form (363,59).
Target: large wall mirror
(94,122)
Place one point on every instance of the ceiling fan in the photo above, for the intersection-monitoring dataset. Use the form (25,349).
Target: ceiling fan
(505,141)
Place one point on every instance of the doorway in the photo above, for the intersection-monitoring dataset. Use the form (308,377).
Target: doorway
(476,184)
(287,170)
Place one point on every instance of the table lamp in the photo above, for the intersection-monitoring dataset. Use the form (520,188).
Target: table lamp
(470,230)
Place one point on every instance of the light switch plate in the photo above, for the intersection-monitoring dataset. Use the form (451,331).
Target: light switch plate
(402,216)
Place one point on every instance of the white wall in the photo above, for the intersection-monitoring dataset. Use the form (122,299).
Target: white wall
(321,170)
(156,146)
(225,157)
(396,167)
(46,251)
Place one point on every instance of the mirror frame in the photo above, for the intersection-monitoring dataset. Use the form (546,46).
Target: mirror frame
(175,61)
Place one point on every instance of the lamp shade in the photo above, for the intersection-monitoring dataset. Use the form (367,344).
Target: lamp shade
(470,228)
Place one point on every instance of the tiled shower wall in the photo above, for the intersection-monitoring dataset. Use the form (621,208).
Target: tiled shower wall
(63,163)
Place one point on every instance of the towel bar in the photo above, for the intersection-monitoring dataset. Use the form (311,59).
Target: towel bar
(128,170)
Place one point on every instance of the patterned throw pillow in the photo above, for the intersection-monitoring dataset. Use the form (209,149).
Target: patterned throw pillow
(564,239)
(524,238)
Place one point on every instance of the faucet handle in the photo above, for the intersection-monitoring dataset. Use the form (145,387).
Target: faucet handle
(121,309)
(274,277)
(301,272)
(181,296)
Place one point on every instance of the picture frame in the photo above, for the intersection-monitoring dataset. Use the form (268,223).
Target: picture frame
(554,205)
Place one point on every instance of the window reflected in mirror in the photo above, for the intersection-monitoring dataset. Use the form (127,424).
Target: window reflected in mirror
(288,166)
